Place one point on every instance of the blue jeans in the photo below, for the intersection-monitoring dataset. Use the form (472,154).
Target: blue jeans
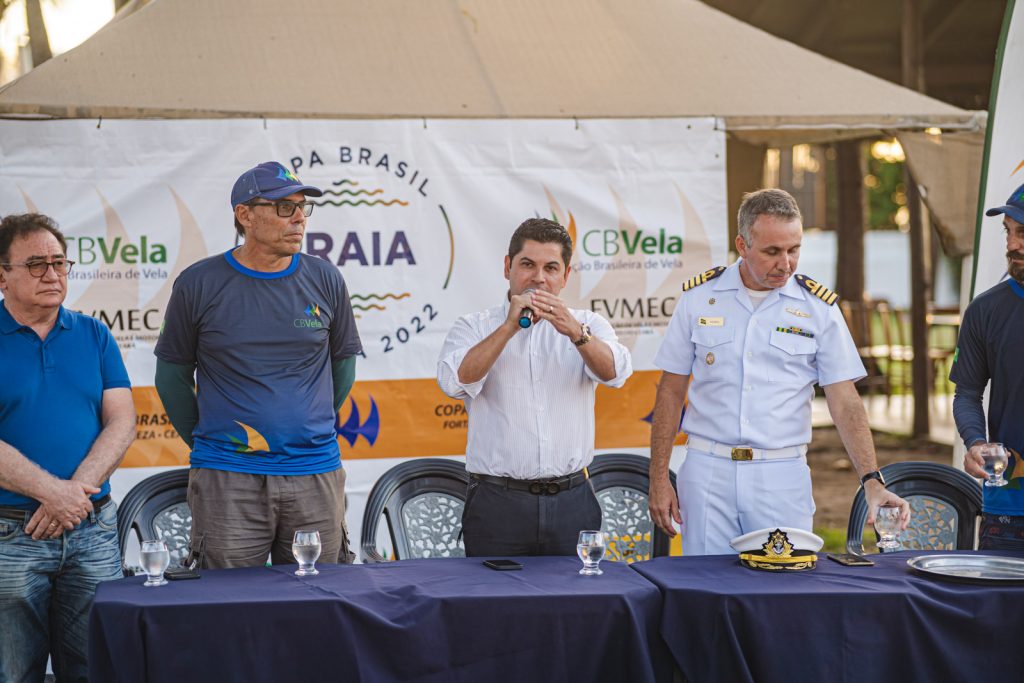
(46,590)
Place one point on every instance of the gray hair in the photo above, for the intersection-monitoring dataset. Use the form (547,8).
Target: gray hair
(770,202)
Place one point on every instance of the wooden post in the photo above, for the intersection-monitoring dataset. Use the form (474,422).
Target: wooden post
(911,53)
(850,228)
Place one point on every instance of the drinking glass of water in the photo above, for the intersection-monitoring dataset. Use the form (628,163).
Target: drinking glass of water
(590,548)
(995,460)
(306,549)
(887,524)
(154,557)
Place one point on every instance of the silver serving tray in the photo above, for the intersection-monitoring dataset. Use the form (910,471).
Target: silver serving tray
(970,568)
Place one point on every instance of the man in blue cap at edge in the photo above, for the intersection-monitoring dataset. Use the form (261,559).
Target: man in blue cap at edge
(989,349)
(255,357)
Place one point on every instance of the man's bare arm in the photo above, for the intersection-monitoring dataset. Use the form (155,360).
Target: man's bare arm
(479,360)
(668,407)
(66,502)
(107,452)
(117,415)
(852,424)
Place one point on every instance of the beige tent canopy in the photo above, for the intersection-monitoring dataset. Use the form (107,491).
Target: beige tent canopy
(479,59)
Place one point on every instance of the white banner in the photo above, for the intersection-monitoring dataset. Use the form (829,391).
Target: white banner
(1005,168)
(417,217)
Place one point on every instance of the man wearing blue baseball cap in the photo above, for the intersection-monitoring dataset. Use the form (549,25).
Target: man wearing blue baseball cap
(256,356)
(989,349)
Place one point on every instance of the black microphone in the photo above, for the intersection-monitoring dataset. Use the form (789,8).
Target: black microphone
(526,315)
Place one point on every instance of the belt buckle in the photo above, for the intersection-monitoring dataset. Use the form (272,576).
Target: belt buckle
(544,488)
(743,453)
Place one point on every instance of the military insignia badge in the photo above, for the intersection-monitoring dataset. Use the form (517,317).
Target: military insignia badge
(817,289)
(798,313)
(779,549)
(710,358)
(706,276)
(711,301)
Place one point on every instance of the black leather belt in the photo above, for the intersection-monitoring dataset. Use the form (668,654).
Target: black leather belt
(19,513)
(538,487)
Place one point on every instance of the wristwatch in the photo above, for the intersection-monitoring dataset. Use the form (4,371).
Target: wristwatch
(873,475)
(585,337)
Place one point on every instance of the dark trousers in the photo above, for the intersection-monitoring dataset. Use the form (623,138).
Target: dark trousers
(1001,532)
(497,521)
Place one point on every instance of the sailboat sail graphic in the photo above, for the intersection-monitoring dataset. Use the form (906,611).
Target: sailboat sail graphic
(254,441)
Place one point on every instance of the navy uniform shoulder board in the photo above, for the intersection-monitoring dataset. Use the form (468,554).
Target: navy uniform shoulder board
(706,276)
(818,290)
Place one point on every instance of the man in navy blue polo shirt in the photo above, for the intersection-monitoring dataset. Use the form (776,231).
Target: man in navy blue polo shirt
(66,419)
(269,336)
(989,349)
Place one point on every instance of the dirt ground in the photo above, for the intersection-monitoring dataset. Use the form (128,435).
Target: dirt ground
(835,481)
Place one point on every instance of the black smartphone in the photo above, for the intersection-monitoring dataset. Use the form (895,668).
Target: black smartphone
(502,565)
(181,574)
(851,560)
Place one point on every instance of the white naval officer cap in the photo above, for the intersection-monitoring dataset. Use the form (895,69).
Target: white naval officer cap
(779,549)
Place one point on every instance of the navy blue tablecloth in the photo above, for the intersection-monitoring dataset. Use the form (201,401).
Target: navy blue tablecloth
(415,620)
(724,622)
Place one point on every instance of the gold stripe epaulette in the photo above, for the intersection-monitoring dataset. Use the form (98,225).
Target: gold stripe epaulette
(818,290)
(706,276)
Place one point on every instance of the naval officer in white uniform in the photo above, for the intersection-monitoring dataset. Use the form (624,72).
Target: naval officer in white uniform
(755,339)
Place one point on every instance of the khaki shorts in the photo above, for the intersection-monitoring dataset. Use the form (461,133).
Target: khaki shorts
(238,519)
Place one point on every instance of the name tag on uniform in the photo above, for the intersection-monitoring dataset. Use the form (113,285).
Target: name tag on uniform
(795,330)
(710,322)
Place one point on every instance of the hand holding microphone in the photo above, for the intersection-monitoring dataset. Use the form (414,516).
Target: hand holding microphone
(526,314)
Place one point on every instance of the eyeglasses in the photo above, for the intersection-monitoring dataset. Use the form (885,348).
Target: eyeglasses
(38,268)
(286,208)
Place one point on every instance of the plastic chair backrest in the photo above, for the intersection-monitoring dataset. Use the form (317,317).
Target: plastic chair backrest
(621,481)
(421,501)
(945,503)
(157,509)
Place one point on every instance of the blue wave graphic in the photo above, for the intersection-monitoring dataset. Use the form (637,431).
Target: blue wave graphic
(353,429)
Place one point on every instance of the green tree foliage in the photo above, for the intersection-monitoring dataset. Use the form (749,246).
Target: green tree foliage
(886,193)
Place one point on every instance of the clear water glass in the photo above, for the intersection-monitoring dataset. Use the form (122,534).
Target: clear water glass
(994,461)
(590,548)
(306,550)
(887,524)
(155,558)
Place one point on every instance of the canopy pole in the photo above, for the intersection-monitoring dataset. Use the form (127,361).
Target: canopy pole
(911,53)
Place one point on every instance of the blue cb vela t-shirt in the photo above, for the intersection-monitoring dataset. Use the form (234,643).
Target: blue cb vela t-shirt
(264,344)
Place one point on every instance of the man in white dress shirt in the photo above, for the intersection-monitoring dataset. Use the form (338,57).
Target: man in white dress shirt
(756,339)
(529,393)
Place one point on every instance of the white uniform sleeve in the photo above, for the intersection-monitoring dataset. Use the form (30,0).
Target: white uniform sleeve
(677,351)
